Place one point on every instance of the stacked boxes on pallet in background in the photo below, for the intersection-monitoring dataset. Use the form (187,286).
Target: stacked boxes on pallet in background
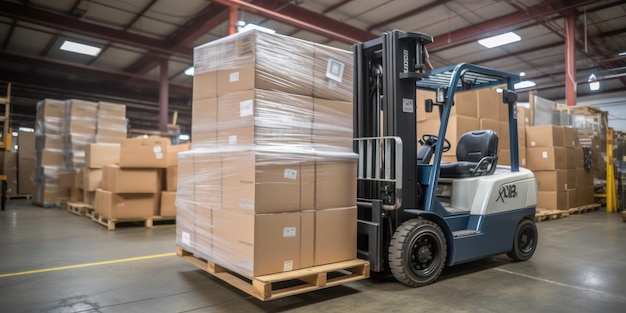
(555,157)
(270,184)
(97,156)
(25,162)
(480,109)
(49,152)
(63,130)
(132,189)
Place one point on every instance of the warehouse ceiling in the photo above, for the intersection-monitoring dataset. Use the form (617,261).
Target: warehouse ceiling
(137,37)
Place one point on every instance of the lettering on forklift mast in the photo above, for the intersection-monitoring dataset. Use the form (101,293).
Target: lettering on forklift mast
(405,60)
(507,191)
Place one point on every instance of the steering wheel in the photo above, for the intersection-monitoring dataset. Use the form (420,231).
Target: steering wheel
(431,140)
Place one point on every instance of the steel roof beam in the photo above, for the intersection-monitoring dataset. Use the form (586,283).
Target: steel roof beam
(408,14)
(64,23)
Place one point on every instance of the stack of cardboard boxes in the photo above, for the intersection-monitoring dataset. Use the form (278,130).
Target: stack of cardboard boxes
(49,157)
(556,159)
(480,109)
(111,121)
(79,129)
(270,183)
(132,189)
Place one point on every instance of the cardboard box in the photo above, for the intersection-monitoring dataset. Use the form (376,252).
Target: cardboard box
(123,206)
(172,153)
(466,104)
(50,157)
(307,238)
(204,122)
(552,200)
(556,180)
(109,109)
(81,110)
(26,167)
(11,180)
(67,179)
(571,198)
(489,124)
(264,117)
(332,122)
(522,156)
(335,235)
(48,142)
(125,180)
(265,183)
(457,126)
(571,178)
(144,152)
(544,136)
(570,137)
(578,156)
(523,117)
(588,197)
(26,144)
(89,197)
(260,60)
(76,194)
(504,136)
(504,157)
(332,73)
(185,203)
(335,184)
(46,195)
(572,156)
(204,85)
(546,158)
(98,155)
(92,178)
(489,103)
(171,178)
(168,207)
(257,244)
(206,178)
(50,108)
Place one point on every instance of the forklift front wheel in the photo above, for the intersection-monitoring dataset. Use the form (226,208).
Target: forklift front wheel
(417,252)
(525,241)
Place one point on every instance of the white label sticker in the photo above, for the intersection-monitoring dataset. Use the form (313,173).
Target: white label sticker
(544,154)
(234,77)
(533,143)
(407,105)
(246,203)
(186,238)
(523,162)
(289,232)
(288,265)
(291,174)
(334,70)
(245,108)
(158,156)
(565,187)
(232,140)
(156,149)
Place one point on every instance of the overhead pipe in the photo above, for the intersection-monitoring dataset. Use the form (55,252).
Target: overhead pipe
(164,95)
(570,59)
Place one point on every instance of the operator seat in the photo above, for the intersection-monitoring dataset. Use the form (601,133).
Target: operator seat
(476,154)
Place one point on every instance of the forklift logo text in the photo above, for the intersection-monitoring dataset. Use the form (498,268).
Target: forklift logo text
(505,192)
(405,60)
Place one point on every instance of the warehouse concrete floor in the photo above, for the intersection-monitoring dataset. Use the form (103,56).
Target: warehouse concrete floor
(59,262)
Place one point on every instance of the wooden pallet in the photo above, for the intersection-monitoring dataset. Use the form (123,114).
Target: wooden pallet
(584,208)
(163,220)
(77,208)
(19,196)
(264,287)
(89,211)
(547,215)
(111,223)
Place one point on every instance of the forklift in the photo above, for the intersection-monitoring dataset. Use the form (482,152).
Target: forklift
(416,214)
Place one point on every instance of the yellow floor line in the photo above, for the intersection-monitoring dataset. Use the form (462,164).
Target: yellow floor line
(60,268)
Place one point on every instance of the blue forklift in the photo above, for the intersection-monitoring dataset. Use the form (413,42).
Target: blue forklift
(417,214)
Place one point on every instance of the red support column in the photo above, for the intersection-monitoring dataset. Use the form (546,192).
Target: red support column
(570,59)
(164,94)
(233,16)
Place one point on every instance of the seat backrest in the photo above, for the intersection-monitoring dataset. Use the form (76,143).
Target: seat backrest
(475,145)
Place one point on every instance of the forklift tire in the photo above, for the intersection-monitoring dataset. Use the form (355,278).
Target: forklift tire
(417,252)
(525,241)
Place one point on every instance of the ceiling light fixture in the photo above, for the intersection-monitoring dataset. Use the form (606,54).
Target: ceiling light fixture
(76,47)
(500,40)
(622,54)
(522,74)
(189,71)
(525,84)
(594,83)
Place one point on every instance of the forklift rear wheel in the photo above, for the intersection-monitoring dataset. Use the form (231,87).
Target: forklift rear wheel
(525,241)
(417,252)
